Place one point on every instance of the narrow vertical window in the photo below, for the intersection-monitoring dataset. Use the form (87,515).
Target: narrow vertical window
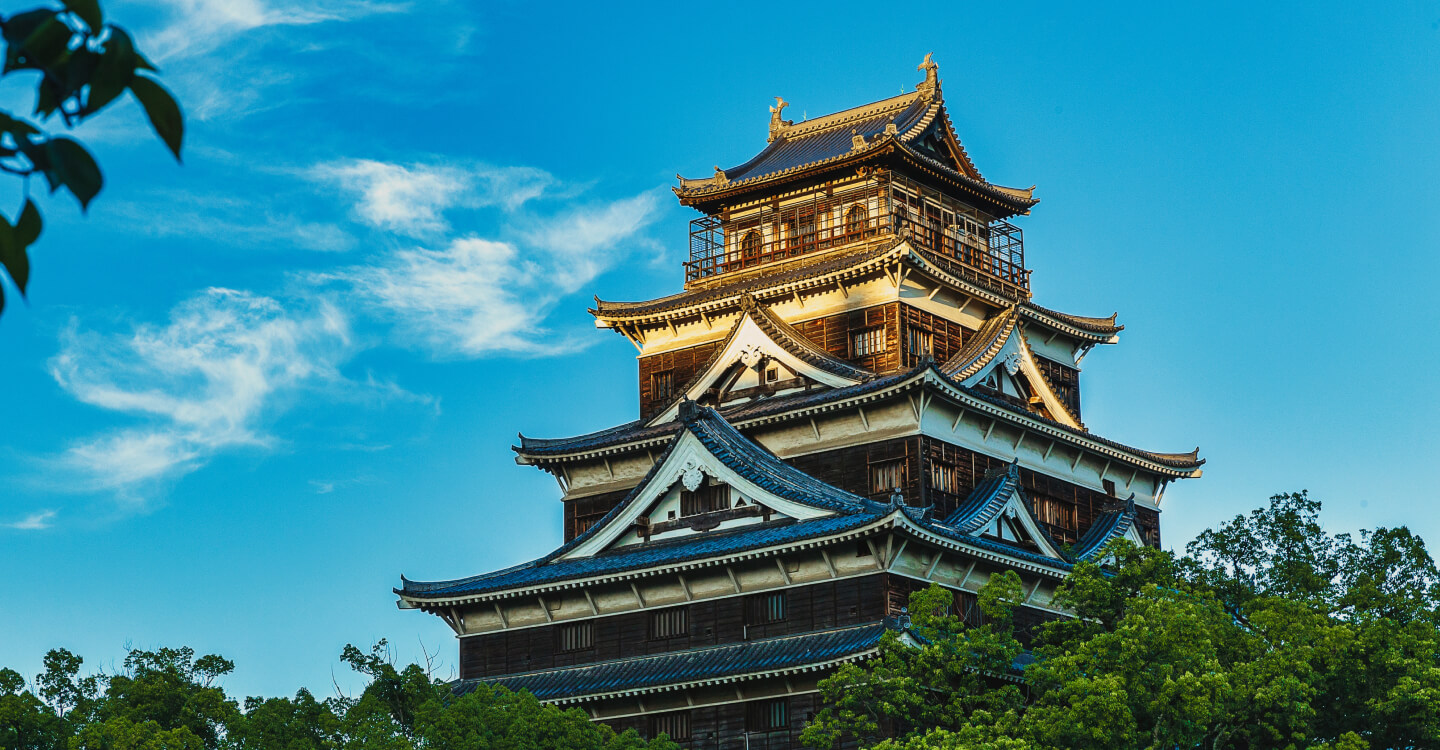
(944,478)
(662,386)
(887,476)
(578,636)
(866,342)
(707,498)
(668,623)
(765,609)
(767,716)
(675,724)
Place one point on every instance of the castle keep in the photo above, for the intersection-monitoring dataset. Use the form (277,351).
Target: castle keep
(854,396)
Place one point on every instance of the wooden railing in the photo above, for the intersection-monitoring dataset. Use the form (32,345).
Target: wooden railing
(991,251)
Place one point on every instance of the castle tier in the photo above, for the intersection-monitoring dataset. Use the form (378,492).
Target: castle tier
(854,396)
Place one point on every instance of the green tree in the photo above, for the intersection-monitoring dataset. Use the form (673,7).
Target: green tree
(1268,633)
(81,65)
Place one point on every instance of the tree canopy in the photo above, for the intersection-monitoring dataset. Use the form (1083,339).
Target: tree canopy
(1268,633)
(169,699)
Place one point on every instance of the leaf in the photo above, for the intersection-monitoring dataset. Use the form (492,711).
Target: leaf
(115,71)
(19,27)
(29,225)
(47,45)
(15,126)
(13,257)
(72,166)
(162,110)
(89,12)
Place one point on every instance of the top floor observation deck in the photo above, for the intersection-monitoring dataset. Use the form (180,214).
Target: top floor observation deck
(885,204)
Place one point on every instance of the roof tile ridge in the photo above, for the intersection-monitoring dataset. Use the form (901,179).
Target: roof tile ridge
(1094,323)
(846,116)
(798,340)
(1110,526)
(976,356)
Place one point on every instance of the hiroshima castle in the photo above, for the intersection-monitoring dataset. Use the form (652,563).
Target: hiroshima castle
(854,396)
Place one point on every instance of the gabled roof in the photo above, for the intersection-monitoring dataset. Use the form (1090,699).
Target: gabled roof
(912,125)
(706,444)
(984,344)
(747,659)
(1110,526)
(759,333)
(986,500)
(926,375)
(999,493)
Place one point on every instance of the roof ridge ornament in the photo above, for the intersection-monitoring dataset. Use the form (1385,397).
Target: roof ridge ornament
(776,123)
(857,141)
(930,87)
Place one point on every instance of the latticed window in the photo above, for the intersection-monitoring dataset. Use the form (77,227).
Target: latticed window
(662,386)
(577,636)
(750,244)
(866,342)
(705,499)
(765,609)
(887,476)
(919,342)
(1055,512)
(855,220)
(944,478)
(767,716)
(676,724)
(668,623)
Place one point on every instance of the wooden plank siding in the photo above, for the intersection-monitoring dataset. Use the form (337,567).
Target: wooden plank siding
(722,727)
(807,608)
(852,468)
(583,512)
(1066,381)
(682,364)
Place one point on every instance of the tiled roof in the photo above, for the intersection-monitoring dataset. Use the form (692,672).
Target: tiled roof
(983,346)
(783,654)
(1109,526)
(730,294)
(986,499)
(781,333)
(1105,326)
(731,449)
(782,404)
(856,134)
(671,552)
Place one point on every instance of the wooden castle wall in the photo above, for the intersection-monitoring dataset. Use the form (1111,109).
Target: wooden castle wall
(807,608)
(583,512)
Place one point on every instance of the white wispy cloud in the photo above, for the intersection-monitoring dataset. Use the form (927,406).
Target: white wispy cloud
(38,521)
(201,383)
(196,27)
(478,296)
(411,199)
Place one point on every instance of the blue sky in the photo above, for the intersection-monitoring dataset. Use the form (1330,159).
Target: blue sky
(248,393)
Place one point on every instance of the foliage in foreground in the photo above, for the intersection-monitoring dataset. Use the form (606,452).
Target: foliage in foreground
(80,64)
(169,700)
(1268,633)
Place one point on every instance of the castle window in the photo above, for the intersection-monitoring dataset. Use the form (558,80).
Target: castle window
(887,476)
(662,386)
(765,609)
(855,220)
(919,342)
(767,716)
(1109,485)
(772,374)
(705,499)
(1055,513)
(668,623)
(750,244)
(578,636)
(944,478)
(675,724)
(866,342)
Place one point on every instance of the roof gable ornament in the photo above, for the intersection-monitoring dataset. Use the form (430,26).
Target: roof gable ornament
(776,123)
(930,87)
